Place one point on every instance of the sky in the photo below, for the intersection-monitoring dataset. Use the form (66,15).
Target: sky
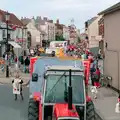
(64,10)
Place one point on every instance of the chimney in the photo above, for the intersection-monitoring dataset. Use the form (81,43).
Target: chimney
(22,18)
(33,17)
(51,21)
(57,21)
(45,19)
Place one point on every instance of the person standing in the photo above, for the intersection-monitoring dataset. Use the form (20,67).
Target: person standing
(17,86)
(97,77)
(4,56)
(92,70)
(27,63)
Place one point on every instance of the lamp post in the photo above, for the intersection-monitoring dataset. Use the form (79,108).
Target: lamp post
(7,16)
(23,41)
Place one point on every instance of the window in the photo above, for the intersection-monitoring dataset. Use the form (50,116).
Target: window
(55,90)
(8,36)
(3,34)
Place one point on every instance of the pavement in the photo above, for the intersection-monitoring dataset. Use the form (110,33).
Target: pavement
(25,77)
(105,104)
(11,109)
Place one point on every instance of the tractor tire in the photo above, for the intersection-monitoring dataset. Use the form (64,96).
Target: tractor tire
(33,110)
(90,111)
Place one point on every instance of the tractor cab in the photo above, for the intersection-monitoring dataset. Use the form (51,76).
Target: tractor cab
(58,90)
(64,85)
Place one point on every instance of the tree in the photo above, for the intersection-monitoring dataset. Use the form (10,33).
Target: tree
(79,40)
(59,38)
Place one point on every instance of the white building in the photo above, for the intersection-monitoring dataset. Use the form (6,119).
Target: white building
(48,27)
(93,33)
(16,32)
(3,36)
(36,35)
(66,33)
(73,34)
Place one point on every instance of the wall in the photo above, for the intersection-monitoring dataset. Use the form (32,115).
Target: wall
(112,52)
(34,33)
(66,33)
(93,33)
(50,31)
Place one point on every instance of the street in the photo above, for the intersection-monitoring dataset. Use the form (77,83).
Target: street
(11,109)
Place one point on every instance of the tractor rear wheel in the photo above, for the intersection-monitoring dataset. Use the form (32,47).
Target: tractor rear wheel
(90,111)
(33,110)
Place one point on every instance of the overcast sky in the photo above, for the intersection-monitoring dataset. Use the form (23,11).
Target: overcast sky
(65,10)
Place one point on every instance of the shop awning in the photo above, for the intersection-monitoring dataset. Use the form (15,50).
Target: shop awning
(14,44)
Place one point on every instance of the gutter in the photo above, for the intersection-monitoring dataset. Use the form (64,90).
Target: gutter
(111,9)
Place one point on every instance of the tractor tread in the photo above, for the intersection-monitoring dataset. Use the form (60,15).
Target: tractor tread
(33,110)
(90,112)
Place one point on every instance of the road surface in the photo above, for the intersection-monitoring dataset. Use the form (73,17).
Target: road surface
(11,109)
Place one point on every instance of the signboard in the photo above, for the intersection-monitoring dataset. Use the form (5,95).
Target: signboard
(19,40)
(16,86)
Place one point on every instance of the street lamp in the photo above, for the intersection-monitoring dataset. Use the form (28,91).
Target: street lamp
(7,16)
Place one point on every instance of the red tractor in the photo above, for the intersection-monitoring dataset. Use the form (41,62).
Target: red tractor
(58,90)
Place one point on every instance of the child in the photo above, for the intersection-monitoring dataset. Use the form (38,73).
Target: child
(97,78)
(17,86)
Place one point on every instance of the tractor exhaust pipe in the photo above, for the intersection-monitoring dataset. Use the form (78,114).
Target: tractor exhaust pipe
(70,92)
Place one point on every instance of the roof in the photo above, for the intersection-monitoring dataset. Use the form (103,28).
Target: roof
(111,9)
(90,21)
(39,21)
(25,21)
(13,19)
(59,67)
(61,110)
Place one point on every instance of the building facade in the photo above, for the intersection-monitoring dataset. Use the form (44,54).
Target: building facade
(41,31)
(93,34)
(73,34)
(16,31)
(66,33)
(101,33)
(34,33)
(3,36)
(112,44)
(58,31)
(48,28)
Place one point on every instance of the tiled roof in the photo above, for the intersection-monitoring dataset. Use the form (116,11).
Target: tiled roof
(111,9)
(40,21)
(91,20)
(25,21)
(13,19)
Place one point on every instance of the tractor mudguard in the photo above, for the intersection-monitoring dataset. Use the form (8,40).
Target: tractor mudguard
(37,96)
(88,99)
